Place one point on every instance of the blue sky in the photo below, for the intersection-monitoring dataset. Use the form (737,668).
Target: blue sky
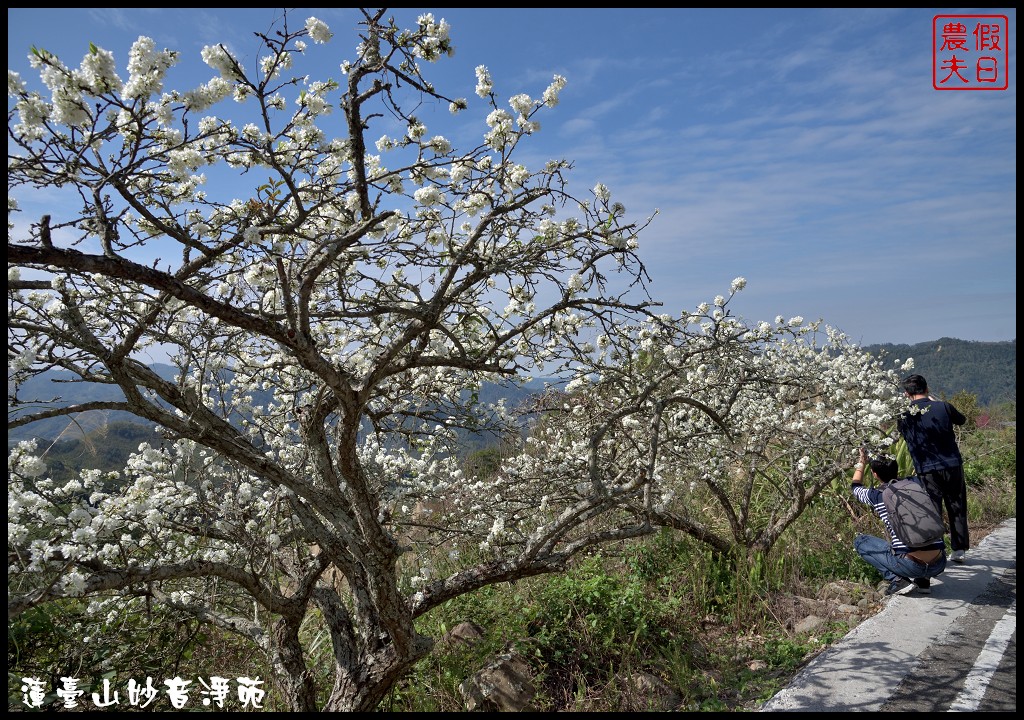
(805,150)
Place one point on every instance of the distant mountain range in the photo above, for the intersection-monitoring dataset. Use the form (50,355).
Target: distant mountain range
(985,369)
(105,428)
(59,388)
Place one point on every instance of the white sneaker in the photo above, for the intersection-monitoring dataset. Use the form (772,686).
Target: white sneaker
(957,556)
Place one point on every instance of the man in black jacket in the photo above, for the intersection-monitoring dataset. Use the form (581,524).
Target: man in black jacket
(928,429)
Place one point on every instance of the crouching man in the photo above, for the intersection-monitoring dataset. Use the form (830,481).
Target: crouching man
(906,567)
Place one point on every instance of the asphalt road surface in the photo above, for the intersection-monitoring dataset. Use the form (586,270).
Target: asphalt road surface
(954,650)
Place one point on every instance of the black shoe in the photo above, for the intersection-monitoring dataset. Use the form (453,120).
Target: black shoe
(900,586)
(924,585)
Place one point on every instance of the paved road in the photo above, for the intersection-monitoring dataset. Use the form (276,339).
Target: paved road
(954,650)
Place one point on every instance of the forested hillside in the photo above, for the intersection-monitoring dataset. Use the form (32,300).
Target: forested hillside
(985,369)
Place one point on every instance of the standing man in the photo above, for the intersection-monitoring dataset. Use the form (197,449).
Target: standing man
(928,429)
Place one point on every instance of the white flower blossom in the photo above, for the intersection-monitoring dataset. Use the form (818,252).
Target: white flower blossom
(428,196)
(484,86)
(147,68)
(218,58)
(25,359)
(318,30)
(550,96)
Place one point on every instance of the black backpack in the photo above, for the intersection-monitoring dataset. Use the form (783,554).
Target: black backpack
(912,513)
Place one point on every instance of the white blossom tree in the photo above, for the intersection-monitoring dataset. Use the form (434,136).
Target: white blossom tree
(712,426)
(331,306)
